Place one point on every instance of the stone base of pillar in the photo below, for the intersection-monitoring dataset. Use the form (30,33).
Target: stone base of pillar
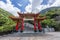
(40,30)
(35,30)
(21,31)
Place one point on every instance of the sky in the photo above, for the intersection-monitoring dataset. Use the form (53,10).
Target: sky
(34,6)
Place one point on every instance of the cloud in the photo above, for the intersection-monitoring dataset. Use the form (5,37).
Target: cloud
(57,3)
(19,4)
(39,7)
(9,7)
(30,1)
(36,3)
(34,6)
(28,8)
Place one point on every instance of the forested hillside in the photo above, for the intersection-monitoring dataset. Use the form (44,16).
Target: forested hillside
(6,24)
(53,19)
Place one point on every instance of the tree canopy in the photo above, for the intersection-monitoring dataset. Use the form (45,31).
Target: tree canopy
(6,24)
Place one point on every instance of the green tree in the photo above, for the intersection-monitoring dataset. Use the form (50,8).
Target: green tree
(6,24)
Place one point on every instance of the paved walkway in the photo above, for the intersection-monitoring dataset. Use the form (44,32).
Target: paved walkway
(32,36)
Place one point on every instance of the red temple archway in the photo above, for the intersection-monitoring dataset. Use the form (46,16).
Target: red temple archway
(30,16)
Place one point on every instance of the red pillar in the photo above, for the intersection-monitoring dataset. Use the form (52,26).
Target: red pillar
(39,26)
(17,26)
(22,28)
(35,29)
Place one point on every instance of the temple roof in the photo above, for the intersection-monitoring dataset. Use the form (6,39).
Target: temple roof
(18,18)
(28,14)
(15,18)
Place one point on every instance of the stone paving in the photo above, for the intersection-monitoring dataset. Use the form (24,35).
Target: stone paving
(32,36)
